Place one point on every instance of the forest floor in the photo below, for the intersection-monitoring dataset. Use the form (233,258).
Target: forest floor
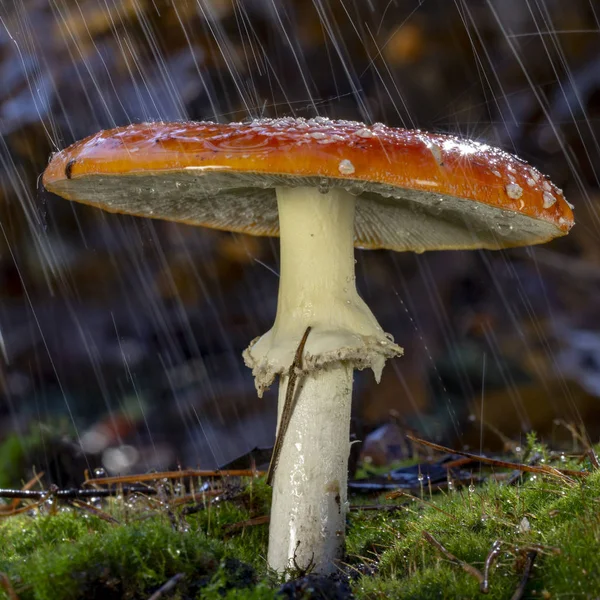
(536,535)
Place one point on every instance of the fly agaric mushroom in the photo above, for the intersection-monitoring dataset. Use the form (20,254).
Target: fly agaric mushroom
(324,187)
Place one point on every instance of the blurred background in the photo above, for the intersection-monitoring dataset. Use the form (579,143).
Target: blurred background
(121,338)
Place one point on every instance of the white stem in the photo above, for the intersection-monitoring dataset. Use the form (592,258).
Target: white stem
(308,512)
(317,289)
(317,284)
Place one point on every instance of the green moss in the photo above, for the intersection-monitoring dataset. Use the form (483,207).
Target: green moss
(74,555)
(561,521)
(119,560)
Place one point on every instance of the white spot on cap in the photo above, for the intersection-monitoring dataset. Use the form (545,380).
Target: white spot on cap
(530,182)
(318,135)
(514,191)
(549,200)
(346,167)
(534,174)
(365,133)
(497,173)
(546,186)
(571,206)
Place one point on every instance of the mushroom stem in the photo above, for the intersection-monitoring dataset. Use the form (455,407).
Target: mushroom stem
(308,512)
(317,260)
(317,288)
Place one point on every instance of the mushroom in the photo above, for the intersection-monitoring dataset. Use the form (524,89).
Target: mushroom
(324,187)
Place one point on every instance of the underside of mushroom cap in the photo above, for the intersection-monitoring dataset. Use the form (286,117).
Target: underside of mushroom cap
(415,191)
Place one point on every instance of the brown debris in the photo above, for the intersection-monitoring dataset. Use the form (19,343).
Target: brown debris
(85,507)
(531,556)
(489,561)
(185,473)
(288,407)
(262,520)
(562,474)
(7,586)
(167,587)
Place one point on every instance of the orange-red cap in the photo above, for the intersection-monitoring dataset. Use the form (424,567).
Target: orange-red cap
(415,190)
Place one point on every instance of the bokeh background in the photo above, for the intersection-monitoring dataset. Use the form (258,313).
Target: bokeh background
(121,338)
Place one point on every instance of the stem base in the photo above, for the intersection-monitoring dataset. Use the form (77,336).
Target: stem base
(308,514)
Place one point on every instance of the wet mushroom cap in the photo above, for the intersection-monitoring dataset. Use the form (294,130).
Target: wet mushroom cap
(415,191)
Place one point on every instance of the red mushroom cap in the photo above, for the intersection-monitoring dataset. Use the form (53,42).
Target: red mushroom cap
(415,190)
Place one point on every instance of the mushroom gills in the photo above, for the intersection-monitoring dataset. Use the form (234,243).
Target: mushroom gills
(387,216)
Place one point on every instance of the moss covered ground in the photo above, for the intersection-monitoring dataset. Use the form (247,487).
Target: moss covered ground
(133,546)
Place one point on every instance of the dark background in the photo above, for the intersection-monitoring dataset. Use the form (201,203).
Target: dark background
(125,335)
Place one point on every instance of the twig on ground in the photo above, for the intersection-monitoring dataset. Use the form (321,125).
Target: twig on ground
(593,458)
(7,586)
(562,474)
(262,520)
(489,561)
(71,494)
(531,555)
(167,587)
(288,406)
(518,474)
(35,479)
(171,475)
(23,509)
(84,506)
(470,569)
(379,507)
(195,497)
